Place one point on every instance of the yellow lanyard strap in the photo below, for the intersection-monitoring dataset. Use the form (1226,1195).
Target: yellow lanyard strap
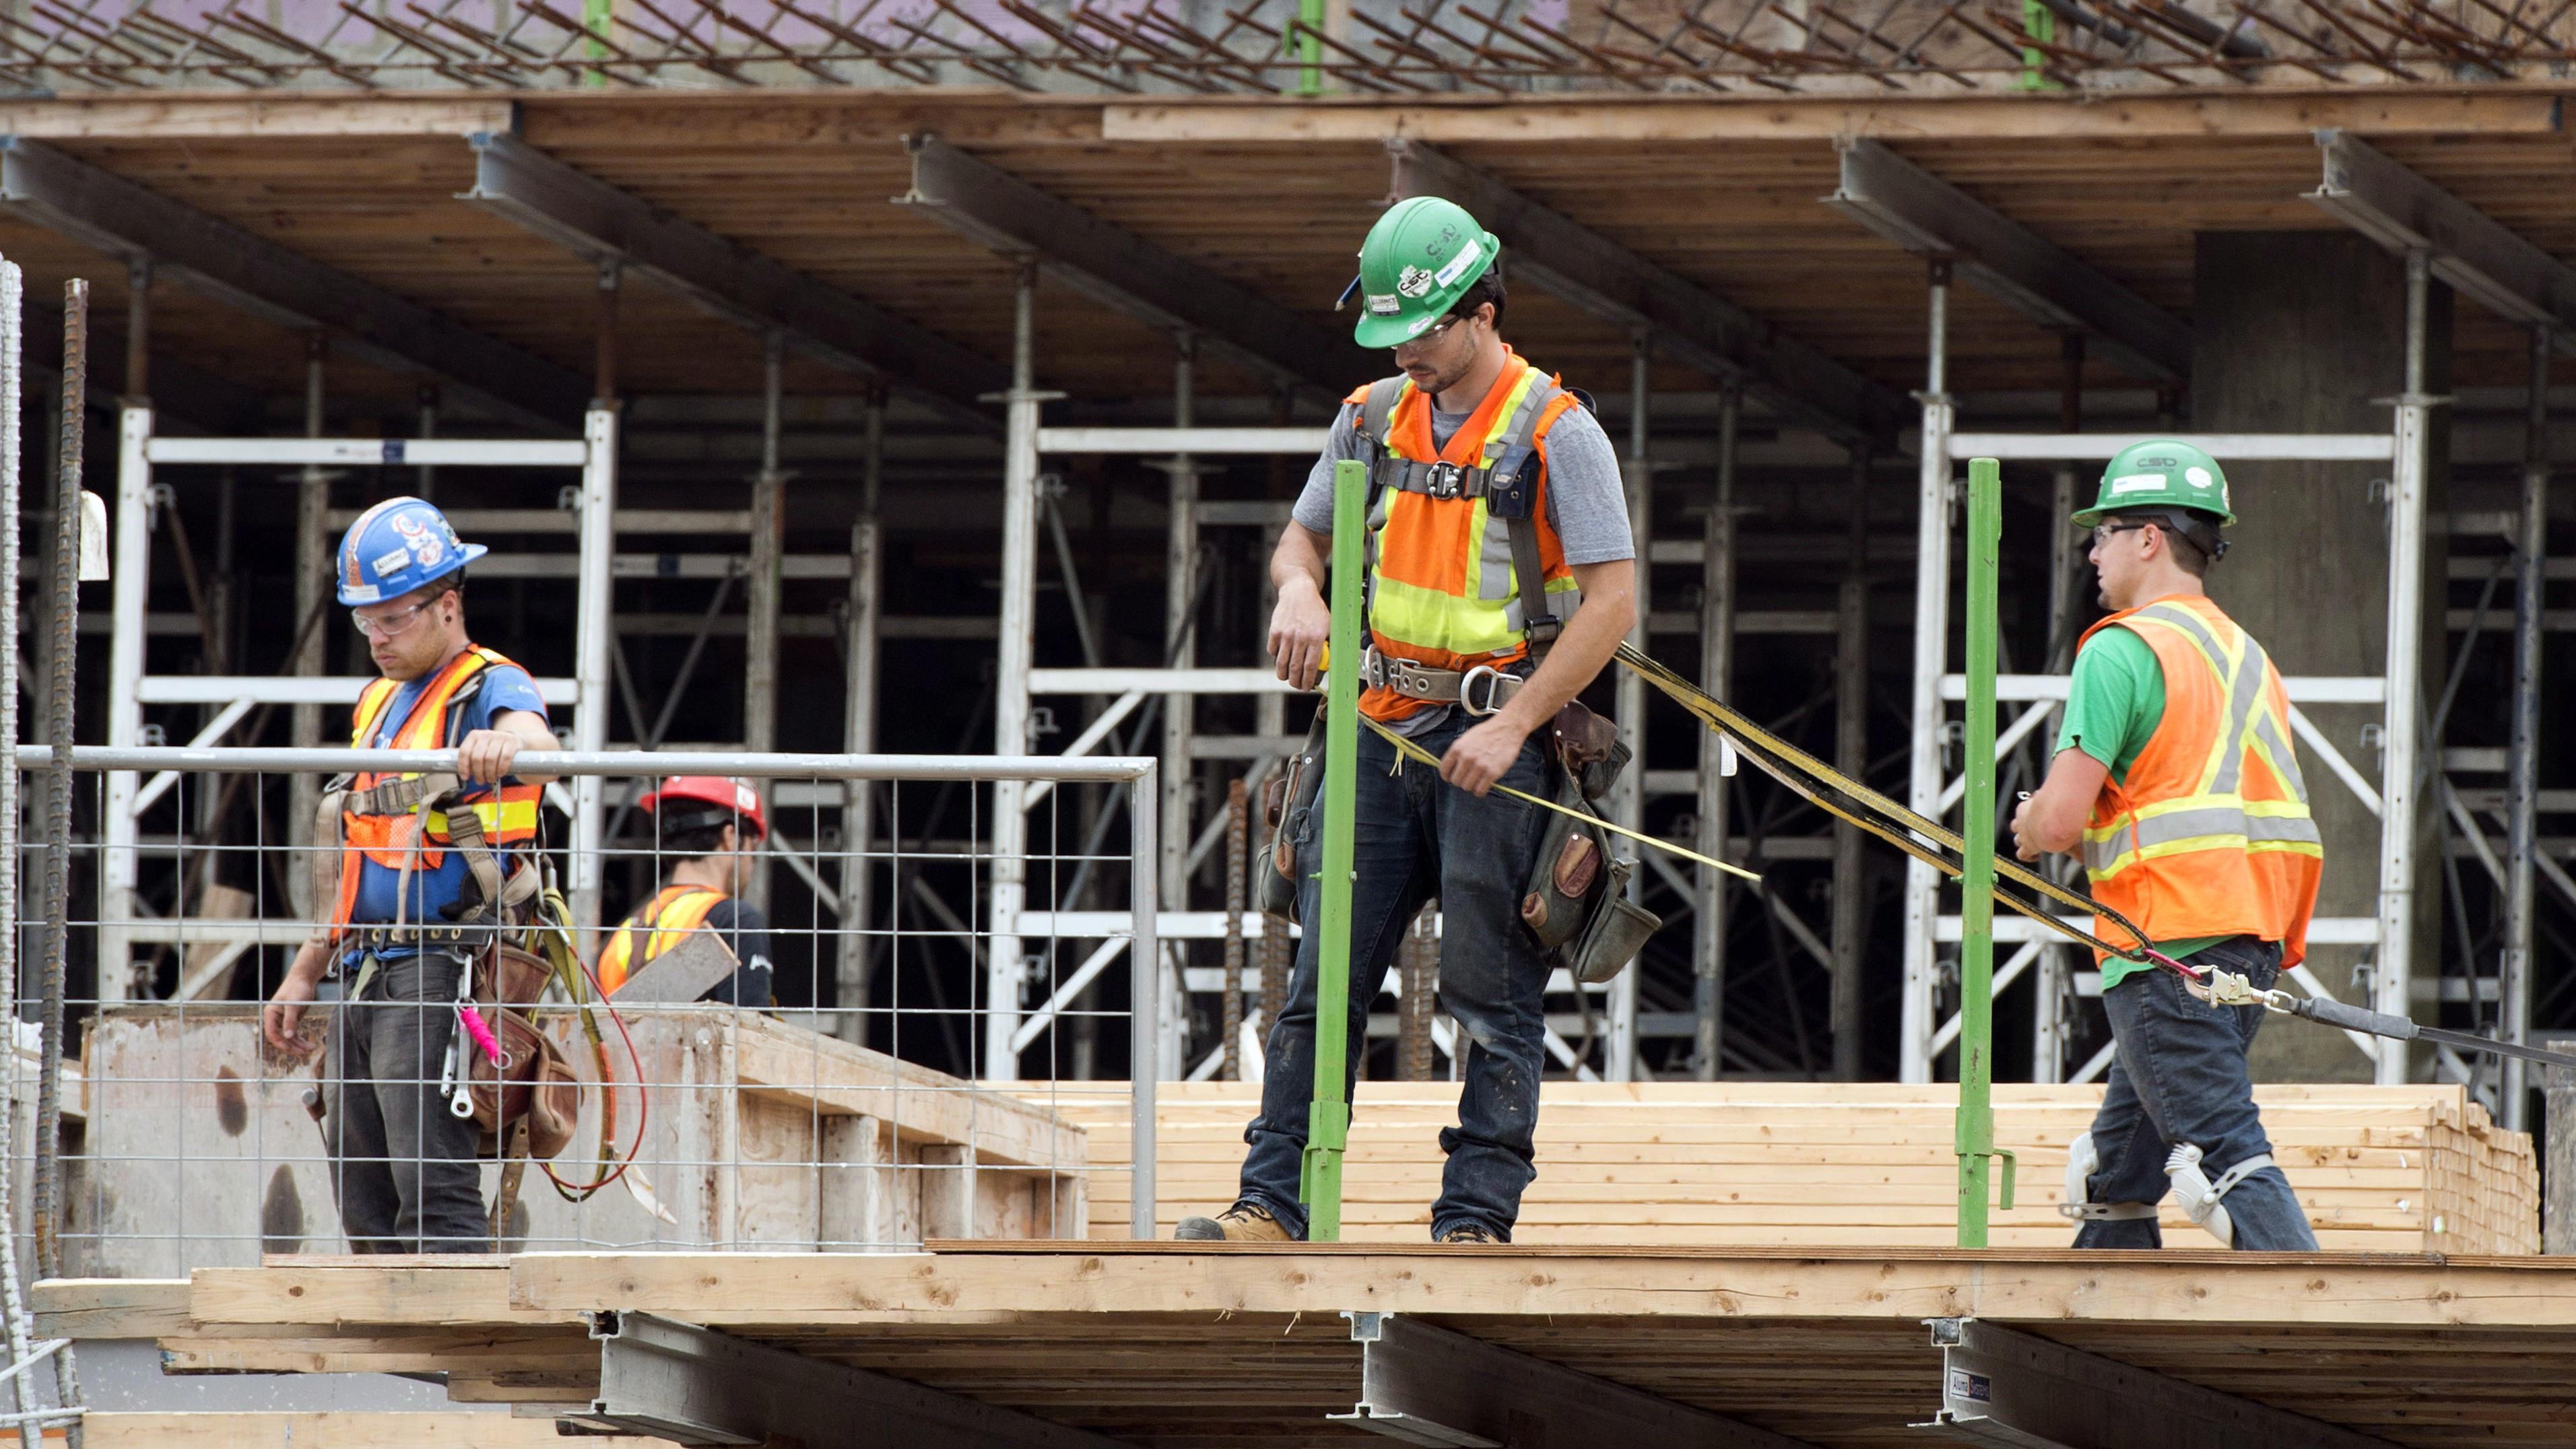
(1406,749)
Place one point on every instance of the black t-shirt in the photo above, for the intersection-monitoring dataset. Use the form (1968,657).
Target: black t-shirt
(744,931)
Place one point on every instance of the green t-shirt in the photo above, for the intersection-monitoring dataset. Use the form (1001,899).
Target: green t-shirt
(2113,705)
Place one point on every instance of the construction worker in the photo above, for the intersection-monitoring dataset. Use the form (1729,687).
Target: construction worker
(2175,776)
(425,875)
(1501,579)
(700,820)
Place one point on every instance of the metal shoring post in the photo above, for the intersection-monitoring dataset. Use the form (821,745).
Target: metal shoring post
(138,332)
(313,575)
(1180,645)
(2522,785)
(1144,976)
(1628,797)
(1328,1115)
(590,656)
(859,727)
(1931,652)
(1716,669)
(1975,1131)
(2056,963)
(130,590)
(1009,866)
(2392,979)
(761,597)
(1851,756)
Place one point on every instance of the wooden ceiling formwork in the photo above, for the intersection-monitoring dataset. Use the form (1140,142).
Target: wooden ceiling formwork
(1725,193)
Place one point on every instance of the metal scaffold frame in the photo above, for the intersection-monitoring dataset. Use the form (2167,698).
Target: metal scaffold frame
(132,686)
(1925,1033)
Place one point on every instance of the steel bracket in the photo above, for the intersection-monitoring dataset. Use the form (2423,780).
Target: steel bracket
(677,1381)
(1424,1384)
(2004,1387)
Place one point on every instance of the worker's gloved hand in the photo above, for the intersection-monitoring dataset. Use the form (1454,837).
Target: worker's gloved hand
(484,756)
(1483,755)
(1299,626)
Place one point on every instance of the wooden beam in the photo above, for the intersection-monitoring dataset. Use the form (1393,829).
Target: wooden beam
(597,221)
(2400,209)
(111,215)
(334,1429)
(2484,111)
(1928,216)
(251,117)
(1629,292)
(1121,270)
(109,1307)
(289,1290)
(2181,1287)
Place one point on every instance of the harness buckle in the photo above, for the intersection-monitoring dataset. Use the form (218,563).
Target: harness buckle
(1446,480)
(1493,690)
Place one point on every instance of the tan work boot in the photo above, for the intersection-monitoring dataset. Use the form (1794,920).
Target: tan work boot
(1469,1233)
(1241,1223)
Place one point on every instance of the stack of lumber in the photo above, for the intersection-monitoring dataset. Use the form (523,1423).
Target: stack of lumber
(2385,1169)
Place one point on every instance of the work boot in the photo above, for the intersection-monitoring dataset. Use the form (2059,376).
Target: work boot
(1468,1233)
(1241,1223)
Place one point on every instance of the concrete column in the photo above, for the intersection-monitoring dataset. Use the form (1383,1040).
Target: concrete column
(2306,332)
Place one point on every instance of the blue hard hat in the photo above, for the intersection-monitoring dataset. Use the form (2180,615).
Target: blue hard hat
(398,546)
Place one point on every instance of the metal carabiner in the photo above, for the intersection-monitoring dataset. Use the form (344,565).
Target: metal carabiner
(1467,690)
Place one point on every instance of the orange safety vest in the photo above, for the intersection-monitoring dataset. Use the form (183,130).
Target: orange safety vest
(667,919)
(2210,833)
(507,814)
(1444,581)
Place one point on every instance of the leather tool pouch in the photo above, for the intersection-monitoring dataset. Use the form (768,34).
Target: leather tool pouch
(1615,931)
(1589,749)
(533,1080)
(1286,802)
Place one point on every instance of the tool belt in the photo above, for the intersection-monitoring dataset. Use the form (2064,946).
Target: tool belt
(1479,691)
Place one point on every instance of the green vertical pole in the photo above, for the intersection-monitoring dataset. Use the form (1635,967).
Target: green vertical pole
(1310,47)
(1976,1129)
(2039,23)
(596,17)
(1328,1119)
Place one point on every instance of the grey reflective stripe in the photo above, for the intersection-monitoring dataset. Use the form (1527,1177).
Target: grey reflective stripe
(2285,761)
(2243,693)
(2222,821)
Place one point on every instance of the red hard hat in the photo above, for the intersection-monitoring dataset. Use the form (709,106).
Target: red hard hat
(731,799)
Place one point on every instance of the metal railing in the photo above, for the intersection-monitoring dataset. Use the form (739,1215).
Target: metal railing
(850,1112)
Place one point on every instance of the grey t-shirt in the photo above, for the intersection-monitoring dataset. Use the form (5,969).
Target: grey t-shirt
(1586,503)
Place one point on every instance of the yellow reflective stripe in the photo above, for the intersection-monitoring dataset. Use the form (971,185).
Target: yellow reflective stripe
(495,816)
(693,908)
(1429,619)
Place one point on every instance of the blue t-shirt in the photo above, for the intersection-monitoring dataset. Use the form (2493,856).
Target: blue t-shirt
(503,688)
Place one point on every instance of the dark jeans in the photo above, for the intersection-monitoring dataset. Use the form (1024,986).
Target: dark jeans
(2180,1077)
(403,1167)
(1417,837)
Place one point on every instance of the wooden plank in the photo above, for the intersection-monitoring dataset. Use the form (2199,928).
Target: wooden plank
(109,1307)
(1553,121)
(333,1429)
(406,1294)
(808,1069)
(2173,1287)
(270,116)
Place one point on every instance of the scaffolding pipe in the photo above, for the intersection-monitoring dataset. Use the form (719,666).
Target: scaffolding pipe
(1851,756)
(2522,786)
(1180,650)
(761,597)
(1628,797)
(859,728)
(138,331)
(1931,641)
(2392,980)
(313,573)
(425,477)
(1016,651)
(591,646)
(1717,672)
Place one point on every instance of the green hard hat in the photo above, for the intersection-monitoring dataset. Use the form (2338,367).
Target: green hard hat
(1419,259)
(2160,473)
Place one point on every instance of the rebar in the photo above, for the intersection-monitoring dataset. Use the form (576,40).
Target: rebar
(1237,849)
(13,1305)
(58,807)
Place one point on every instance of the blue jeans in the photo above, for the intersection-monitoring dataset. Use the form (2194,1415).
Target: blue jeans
(1417,837)
(2180,1077)
(407,1171)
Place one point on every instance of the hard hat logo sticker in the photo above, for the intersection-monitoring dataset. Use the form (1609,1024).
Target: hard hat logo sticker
(386,563)
(2196,477)
(1413,282)
(2137,482)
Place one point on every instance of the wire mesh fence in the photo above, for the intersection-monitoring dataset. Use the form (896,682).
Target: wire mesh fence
(778,1034)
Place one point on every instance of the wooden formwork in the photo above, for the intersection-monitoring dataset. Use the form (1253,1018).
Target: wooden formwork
(1848,1164)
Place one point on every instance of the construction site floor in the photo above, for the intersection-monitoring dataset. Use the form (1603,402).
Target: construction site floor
(1162,1346)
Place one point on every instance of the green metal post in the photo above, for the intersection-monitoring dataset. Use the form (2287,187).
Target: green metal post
(2039,23)
(1976,1128)
(596,17)
(1328,1119)
(1310,47)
